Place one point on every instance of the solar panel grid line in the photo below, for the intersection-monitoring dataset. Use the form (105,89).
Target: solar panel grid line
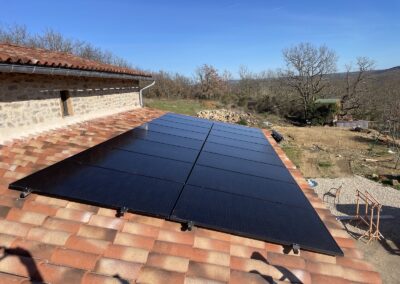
(262,151)
(239,140)
(249,134)
(246,195)
(241,137)
(246,159)
(263,188)
(179,121)
(172,133)
(181,126)
(130,173)
(266,157)
(173,208)
(191,118)
(245,167)
(165,143)
(174,139)
(239,144)
(160,149)
(152,155)
(232,127)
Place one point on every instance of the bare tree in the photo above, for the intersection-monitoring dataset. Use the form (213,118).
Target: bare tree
(306,69)
(55,41)
(211,84)
(356,85)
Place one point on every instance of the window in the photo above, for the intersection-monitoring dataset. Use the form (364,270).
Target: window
(66,104)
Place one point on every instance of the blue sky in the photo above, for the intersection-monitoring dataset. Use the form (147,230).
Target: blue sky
(178,36)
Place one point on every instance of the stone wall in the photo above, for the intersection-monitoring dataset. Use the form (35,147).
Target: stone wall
(27,100)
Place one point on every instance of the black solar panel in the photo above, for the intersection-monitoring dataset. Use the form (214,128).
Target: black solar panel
(104,187)
(254,218)
(220,176)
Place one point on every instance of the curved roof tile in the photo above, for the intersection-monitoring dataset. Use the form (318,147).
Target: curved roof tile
(10,53)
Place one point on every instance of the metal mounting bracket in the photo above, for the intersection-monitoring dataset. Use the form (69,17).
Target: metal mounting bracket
(121,211)
(25,193)
(296,248)
(187,226)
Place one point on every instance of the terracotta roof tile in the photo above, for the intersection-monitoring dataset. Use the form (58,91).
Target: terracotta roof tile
(176,237)
(33,249)
(246,251)
(239,277)
(6,278)
(52,237)
(60,274)
(73,258)
(16,54)
(33,206)
(136,241)
(94,232)
(93,278)
(86,244)
(127,253)
(209,271)
(73,214)
(18,265)
(107,222)
(156,275)
(175,249)
(61,225)
(211,244)
(22,216)
(14,228)
(210,256)
(125,269)
(6,240)
(140,229)
(198,280)
(168,262)
(52,234)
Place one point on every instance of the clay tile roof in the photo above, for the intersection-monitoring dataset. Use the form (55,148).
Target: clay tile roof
(59,241)
(16,54)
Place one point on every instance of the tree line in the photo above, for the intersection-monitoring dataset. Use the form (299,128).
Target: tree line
(309,73)
(55,41)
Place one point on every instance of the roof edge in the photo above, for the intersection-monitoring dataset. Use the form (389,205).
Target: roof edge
(34,69)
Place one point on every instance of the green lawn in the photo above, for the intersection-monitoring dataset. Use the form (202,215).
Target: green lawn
(183,106)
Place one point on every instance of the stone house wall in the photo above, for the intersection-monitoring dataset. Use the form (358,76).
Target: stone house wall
(27,99)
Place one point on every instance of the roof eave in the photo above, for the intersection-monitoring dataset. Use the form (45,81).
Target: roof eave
(57,71)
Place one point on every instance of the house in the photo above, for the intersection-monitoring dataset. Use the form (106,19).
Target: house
(54,240)
(40,89)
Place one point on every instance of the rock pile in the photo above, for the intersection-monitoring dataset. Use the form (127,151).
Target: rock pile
(229,116)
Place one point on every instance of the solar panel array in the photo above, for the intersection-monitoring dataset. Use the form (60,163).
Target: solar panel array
(190,170)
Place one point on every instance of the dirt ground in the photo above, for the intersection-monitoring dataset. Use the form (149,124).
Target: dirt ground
(336,152)
(327,152)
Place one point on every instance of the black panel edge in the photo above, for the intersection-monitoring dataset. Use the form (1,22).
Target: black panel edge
(85,201)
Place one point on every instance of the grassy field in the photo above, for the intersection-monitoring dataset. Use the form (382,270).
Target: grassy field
(335,152)
(189,107)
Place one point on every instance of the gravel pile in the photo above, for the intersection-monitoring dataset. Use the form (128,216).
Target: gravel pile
(229,116)
(387,196)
